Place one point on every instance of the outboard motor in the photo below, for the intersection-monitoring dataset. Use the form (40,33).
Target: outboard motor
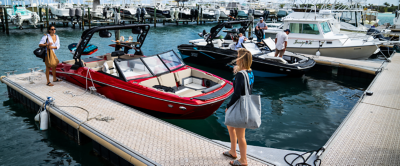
(232,13)
(72,14)
(171,12)
(105,12)
(78,13)
(196,13)
(217,14)
(236,13)
(138,13)
(34,19)
(266,13)
(177,14)
(192,14)
(143,12)
(376,34)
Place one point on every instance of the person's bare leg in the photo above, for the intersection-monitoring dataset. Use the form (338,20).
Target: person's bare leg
(47,74)
(240,133)
(281,53)
(276,53)
(53,70)
(233,138)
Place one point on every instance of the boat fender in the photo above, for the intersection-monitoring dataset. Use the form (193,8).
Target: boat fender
(37,117)
(318,54)
(44,120)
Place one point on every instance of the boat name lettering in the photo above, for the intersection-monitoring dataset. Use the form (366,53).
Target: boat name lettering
(193,54)
(302,42)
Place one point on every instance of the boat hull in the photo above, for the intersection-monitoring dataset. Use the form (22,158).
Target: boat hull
(362,52)
(143,99)
(209,56)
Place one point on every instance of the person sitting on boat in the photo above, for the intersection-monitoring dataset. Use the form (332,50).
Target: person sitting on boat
(234,45)
(281,42)
(261,26)
(242,39)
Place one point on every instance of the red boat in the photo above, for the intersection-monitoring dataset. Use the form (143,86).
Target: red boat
(160,85)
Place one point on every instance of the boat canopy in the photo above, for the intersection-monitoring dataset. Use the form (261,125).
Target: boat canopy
(144,67)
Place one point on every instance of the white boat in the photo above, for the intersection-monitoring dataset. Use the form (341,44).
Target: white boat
(61,9)
(311,35)
(18,14)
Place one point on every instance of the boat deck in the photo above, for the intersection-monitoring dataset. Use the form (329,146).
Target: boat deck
(371,67)
(370,133)
(136,137)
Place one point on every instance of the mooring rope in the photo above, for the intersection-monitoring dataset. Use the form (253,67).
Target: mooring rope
(86,89)
(97,117)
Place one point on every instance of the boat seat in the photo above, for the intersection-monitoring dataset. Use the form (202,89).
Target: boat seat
(110,68)
(195,73)
(193,83)
(167,80)
(108,57)
(187,92)
(150,82)
(271,56)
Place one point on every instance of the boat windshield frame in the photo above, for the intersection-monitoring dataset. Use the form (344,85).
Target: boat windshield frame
(149,70)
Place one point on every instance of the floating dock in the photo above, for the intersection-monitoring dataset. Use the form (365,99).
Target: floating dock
(358,68)
(370,135)
(119,133)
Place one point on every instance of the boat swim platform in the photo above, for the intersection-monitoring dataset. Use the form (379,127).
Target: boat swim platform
(137,138)
(364,66)
(369,135)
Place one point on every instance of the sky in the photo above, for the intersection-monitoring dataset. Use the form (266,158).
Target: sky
(375,2)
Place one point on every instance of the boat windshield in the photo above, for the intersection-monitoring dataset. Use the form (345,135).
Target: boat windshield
(149,66)
(155,65)
(171,60)
(133,69)
(325,27)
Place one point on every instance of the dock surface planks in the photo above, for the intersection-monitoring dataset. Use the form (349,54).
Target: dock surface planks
(160,142)
(360,65)
(370,133)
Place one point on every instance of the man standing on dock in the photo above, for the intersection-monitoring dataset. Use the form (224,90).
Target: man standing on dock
(281,42)
(261,26)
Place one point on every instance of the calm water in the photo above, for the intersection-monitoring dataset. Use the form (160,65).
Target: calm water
(385,17)
(298,113)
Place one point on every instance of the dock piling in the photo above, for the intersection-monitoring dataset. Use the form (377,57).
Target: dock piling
(47,16)
(6,20)
(197,15)
(2,20)
(40,18)
(155,18)
(201,14)
(83,18)
(89,17)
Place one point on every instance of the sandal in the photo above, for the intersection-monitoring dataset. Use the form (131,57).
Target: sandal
(58,80)
(49,84)
(229,155)
(236,163)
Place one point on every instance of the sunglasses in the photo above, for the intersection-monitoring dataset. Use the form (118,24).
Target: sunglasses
(53,29)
